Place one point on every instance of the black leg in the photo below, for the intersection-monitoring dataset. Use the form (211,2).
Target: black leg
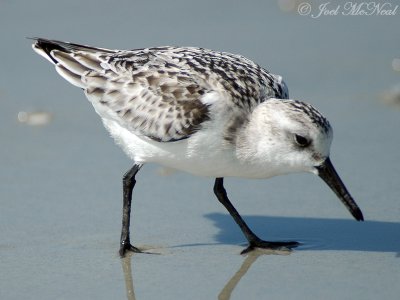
(254,240)
(128,185)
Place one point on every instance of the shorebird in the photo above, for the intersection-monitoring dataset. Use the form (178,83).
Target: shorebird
(200,111)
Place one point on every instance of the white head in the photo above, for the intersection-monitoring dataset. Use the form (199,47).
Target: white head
(288,136)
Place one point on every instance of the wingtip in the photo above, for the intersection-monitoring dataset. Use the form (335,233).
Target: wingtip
(38,40)
(44,47)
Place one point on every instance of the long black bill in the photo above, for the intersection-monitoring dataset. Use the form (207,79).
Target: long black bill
(328,173)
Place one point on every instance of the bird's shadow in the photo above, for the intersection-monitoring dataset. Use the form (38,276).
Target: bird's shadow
(314,233)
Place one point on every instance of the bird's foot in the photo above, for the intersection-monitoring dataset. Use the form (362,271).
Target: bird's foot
(270,245)
(126,246)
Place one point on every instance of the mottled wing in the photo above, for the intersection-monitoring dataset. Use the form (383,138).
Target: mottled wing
(137,89)
(161,105)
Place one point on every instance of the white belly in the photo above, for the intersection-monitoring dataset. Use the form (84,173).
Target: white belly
(204,153)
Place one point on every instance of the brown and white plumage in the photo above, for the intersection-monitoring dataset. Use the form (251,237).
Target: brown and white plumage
(161,92)
(205,112)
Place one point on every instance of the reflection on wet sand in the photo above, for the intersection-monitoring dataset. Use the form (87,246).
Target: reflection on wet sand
(251,257)
(227,290)
(127,269)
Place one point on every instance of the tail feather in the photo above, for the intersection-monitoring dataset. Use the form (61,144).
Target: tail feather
(49,45)
(72,60)
(71,77)
(68,61)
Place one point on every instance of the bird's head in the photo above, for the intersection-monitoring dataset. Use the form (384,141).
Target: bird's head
(289,136)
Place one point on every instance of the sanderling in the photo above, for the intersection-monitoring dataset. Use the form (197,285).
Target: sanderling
(205,112)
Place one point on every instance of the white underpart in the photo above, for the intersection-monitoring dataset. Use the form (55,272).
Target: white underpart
(205,153)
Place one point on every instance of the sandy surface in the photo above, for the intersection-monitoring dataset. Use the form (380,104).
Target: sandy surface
(60,175)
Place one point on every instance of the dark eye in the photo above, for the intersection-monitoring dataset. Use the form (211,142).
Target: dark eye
(301,140)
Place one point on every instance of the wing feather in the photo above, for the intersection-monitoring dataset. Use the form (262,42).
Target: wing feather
(163,93)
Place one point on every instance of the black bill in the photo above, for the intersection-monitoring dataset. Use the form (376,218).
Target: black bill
(328,173)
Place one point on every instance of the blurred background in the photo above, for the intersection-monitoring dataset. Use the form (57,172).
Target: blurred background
(60,173)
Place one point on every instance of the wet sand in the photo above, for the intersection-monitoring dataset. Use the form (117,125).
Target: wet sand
(60,175)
